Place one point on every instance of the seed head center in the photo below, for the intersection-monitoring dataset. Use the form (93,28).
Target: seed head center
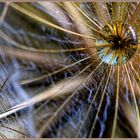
(117,43)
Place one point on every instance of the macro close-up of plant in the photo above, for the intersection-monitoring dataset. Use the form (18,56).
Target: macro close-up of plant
(69,69)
